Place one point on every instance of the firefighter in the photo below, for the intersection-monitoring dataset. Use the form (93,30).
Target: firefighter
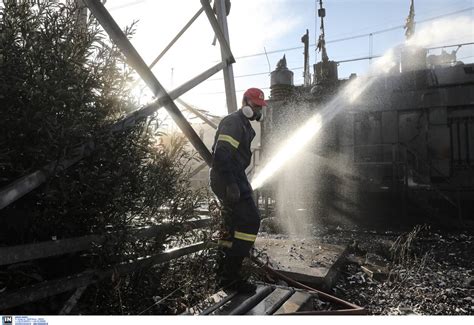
(231,155)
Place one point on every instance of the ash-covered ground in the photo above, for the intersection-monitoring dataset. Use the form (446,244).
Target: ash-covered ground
(422,271)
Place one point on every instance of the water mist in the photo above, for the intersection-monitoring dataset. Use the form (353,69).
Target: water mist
(298,170)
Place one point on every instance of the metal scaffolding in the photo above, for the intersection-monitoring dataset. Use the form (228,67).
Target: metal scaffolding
(27,183)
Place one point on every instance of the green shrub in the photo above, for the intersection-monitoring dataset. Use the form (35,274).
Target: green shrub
(62,85)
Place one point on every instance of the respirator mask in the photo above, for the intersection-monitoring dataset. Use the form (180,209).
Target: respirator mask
(251,115)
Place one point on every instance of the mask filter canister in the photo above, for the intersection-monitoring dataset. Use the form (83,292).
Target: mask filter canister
(248,112)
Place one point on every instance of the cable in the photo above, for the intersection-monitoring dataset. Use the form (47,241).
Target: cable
(426,13)
(355,36)
(134,3)
(345,60)
(340,61)
(251,74)
(223,92)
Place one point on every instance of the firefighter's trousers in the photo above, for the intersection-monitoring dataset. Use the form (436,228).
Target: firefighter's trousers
(242,221)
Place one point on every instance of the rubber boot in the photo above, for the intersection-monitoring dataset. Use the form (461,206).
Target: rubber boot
(230,271)
(231,278)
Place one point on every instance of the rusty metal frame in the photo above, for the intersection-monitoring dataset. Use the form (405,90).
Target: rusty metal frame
(27,183)
(227,53)
(197,113)
(22,186)
(29,252)
(221,11)
(181,32)
(135,60)
(54,287)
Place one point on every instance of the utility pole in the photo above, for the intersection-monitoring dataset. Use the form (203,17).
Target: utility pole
(324,71)
(306,73)
(322,37)
(315,30)
(222,10)
(410,22)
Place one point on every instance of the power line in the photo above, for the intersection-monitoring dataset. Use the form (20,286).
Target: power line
(356,36)
(390,22)
(252,74)
(223,92)
(445,46)
(342,61)
(125,5)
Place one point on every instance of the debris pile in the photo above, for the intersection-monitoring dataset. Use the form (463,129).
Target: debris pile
(425,272)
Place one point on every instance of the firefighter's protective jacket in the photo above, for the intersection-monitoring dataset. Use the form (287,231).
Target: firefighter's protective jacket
(231,152)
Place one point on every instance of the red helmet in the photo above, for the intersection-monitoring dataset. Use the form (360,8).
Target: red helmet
(256,96)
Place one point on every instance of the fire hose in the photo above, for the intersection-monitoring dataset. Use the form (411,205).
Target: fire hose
(348,308)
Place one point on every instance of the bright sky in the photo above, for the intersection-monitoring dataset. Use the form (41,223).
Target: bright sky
(256,25)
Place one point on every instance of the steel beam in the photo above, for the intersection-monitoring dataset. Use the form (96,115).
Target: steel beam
(26,184)
(229,58)
(72,301)
(197,170)
(272,302)
(135,60)
(261,293)
(50,288)
(160,102)
(181,32)
(174,40)
(177,92)
(219,304)
(197,113)
(29,252)
(228,71)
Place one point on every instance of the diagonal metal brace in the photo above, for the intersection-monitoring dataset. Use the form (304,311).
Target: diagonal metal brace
(26,184)
(135,60)
(217,29)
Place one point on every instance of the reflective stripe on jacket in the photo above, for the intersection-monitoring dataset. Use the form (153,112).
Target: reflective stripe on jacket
(231,151)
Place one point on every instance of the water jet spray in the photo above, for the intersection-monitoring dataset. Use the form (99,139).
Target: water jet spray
(301,137)
(437,32)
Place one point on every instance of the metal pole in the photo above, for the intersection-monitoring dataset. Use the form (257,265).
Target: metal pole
(135,60)
(81,16)
(197,113)
(228,71)
(197,170)
(228,58)
(306,73)
(26,184)
(175,93)
(181,32)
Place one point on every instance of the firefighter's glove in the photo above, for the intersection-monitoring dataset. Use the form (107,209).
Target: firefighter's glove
(232,193)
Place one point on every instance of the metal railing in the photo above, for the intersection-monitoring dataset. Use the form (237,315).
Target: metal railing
(55,248)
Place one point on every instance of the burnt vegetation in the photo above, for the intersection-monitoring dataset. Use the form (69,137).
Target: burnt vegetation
(420,272)
(63,84)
